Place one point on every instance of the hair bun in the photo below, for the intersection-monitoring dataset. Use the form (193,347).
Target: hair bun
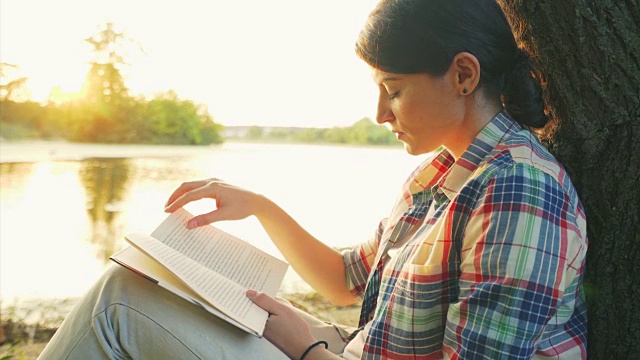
(522,95)
(521,63)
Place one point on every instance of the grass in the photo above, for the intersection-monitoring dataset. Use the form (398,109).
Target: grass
(27,326)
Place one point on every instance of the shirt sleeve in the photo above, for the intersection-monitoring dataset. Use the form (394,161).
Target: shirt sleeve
(516,259)
(359,260)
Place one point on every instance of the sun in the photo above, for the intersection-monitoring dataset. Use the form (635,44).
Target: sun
(67,86)
(59,95)
(61,85)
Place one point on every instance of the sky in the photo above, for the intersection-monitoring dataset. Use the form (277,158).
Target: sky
(252,62)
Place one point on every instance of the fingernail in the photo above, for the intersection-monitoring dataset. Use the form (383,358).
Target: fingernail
(251,293)
(192,224)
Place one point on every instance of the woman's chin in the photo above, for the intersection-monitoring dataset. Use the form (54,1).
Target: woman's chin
(417,150)
(411,150)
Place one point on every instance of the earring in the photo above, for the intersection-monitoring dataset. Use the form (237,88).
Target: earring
(464,90)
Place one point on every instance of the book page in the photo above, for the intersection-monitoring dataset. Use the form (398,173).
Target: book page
(143,265)
(223,294)
(223,253)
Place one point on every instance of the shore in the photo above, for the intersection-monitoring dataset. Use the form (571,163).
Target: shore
(26,327)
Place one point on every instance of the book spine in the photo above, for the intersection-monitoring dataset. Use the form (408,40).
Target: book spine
(137,271)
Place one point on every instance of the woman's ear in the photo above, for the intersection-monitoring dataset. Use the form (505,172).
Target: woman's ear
(465,69)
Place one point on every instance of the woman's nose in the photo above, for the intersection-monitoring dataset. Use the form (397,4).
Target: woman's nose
(384,113)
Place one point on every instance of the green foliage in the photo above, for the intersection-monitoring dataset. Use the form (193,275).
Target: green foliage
(102,114)
(7,352)
(210,131)
(10,131)
(160,120)
(255,132)
(170,120)
(105,112)
(20,120)
(363,132)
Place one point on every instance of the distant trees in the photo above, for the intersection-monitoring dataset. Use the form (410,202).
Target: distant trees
(106,105)
(13,101)
(104,111)
(363,132)
(8,90)
(169,120)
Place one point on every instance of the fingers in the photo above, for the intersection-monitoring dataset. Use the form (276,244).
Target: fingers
(189,192)
(266,302)
(232,203)
(205,219)
(286,329)
(183,188)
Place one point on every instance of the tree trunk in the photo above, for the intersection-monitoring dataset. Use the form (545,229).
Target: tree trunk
(589,51)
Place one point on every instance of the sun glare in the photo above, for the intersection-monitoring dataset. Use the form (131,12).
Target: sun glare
(67,87)
(59,85)
(59,95)
(281,56)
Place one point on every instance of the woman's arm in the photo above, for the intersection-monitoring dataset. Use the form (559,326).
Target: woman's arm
(288,331)
(520,258)
(318,264)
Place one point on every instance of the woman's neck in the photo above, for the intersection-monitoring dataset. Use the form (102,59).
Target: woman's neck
(475,119)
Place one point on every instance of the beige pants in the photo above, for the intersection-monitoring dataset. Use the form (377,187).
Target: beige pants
(125,316)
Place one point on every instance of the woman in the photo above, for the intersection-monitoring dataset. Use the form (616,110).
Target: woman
(481,257)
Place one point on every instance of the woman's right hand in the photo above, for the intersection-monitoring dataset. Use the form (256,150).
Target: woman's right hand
(307,255)
(232,202)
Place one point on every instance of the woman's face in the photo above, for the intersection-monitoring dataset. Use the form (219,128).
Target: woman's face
(422,110)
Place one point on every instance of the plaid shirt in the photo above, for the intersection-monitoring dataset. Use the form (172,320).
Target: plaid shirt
(494,263)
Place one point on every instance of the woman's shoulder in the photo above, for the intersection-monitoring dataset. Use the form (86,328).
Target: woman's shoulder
(522,159)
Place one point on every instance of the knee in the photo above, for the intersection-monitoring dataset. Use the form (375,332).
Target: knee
(116,278)
(120,286)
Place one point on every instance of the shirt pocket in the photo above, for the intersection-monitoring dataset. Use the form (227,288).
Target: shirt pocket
(424,286)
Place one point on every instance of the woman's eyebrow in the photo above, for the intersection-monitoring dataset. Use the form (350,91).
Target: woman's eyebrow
(388,79)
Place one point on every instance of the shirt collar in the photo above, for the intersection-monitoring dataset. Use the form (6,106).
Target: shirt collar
(493,133)
(427,175)
(442,173)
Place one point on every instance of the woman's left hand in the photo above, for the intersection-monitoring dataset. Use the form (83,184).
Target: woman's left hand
(285,329)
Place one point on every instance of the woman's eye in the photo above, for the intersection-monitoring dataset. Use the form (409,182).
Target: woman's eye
(393,95)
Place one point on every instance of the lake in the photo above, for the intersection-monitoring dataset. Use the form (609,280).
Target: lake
(65,208)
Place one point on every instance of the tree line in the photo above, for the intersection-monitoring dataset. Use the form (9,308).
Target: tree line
(165,119)
(363,132)
(104,111)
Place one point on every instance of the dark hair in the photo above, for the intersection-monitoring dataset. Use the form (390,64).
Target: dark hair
(423,36)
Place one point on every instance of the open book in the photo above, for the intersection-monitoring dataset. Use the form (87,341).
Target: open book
(206,266)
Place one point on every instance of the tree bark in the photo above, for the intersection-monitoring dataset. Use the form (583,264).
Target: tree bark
(589,52)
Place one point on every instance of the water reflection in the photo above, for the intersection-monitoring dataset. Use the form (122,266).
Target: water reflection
(42,231)
(12,177)
(60,220)
(106,182)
